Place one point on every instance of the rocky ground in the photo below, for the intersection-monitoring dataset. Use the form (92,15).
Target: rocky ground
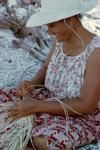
(20,48)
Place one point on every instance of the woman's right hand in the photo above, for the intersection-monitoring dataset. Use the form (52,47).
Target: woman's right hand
(24,87)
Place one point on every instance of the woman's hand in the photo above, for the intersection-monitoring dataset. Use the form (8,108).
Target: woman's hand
(24,87)
(26,107)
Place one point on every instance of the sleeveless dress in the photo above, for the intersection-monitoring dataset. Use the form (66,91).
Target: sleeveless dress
(64,78)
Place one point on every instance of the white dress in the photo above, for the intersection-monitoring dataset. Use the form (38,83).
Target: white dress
(64,78)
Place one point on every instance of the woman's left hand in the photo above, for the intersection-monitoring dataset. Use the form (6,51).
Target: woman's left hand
(23,108)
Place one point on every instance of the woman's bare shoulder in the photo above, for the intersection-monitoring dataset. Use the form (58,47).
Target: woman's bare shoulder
(95,57)
(91,86)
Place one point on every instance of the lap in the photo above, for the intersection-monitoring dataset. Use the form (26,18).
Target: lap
(7,95)
(61,134)
(57,132)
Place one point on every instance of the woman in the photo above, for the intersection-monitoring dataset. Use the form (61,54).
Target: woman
(69,115)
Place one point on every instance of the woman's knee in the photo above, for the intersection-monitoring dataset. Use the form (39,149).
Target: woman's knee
(40,142)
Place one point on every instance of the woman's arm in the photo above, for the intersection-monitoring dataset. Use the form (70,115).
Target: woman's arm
(39,78)
(25,86)
(85,104)
(90,92)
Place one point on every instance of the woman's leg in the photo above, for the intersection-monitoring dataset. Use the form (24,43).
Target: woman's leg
(40,143)
(80,131)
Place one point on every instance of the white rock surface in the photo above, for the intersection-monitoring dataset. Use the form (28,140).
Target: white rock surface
(92,20)
(12,3)
(13,61)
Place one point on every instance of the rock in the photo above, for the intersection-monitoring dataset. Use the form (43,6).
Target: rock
(12,3)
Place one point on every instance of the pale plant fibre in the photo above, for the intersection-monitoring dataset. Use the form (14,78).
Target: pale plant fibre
(14,135)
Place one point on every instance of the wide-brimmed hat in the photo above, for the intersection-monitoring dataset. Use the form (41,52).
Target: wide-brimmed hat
(54,10)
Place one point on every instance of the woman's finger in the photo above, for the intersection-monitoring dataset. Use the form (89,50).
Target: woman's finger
(15,118)
(19,92)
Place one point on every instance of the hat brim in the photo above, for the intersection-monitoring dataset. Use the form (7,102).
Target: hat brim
(45,17)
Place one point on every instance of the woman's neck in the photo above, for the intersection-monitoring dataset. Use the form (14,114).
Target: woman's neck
(74,44)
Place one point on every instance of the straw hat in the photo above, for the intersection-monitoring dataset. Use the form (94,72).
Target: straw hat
(54,10)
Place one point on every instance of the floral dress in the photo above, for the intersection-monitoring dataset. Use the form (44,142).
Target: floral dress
(64,78)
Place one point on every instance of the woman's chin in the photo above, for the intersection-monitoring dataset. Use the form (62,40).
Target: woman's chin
(59,40)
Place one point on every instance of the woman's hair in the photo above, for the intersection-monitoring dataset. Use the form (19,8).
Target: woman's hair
(79,16)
